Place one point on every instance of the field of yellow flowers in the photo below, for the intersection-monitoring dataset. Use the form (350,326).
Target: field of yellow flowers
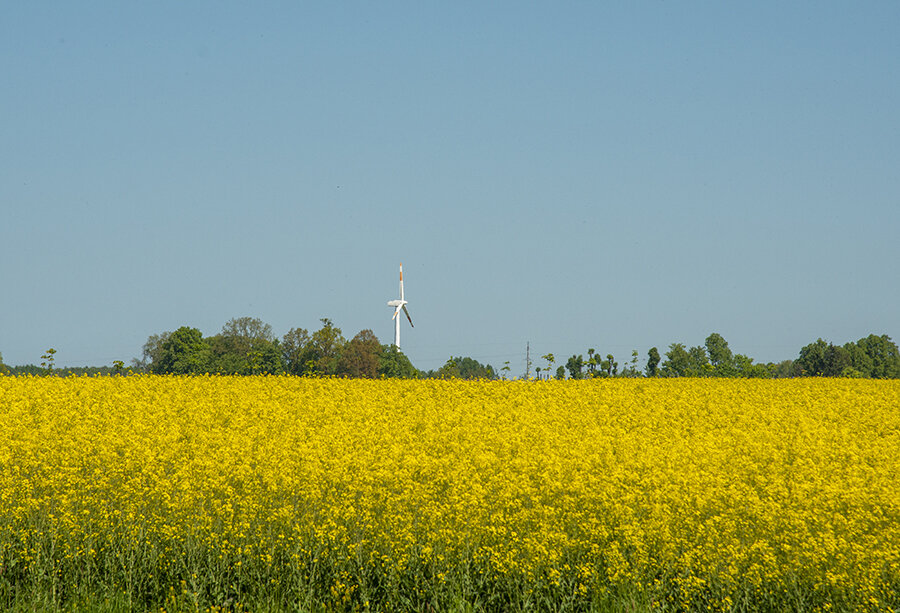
(283,493)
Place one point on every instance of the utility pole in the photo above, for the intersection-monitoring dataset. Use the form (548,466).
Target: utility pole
(527,360)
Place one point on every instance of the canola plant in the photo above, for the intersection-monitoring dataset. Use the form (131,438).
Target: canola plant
(283,493)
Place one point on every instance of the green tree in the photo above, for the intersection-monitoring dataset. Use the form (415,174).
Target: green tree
(610,365)
(361,356)
(48,359)
(652,362)
(246,346)
(860,360)
(720,356)
(296,351)
(183,352)
(743,366)
(326,345)
(592,363)
(677,363)
(821,359)
(785,369)
(550,358)
(575,366)
(883,355)
(465,368)
(699,366)
(151,353)
(812,358)
(632,369)
(561,373)
(394,364)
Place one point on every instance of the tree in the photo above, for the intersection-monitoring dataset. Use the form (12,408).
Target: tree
(785,369)
(652,362)
(610,365)
(812,358)
(823,359)
(860,360)
(361,356)
(48,359)
(883,354)
(394,364)
(246,346)
(743,366)
(632,369)
(574,365)
(327,344)
(592,363)
(550,358)
(316,355)
(699,366)
(183,352)
(837,360)
(720,356)
(465,368)
(678,361)
(296,351)
(152,352)
(561,373)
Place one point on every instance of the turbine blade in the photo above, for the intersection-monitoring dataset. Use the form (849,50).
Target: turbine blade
(401,281)
(396,311)
(407,316)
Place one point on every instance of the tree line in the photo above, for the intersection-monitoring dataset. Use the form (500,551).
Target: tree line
(247,346)
(873,357)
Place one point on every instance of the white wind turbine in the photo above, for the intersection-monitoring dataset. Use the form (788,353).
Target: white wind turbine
(398,305)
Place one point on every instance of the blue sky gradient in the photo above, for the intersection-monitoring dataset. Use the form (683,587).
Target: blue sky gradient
(571,175)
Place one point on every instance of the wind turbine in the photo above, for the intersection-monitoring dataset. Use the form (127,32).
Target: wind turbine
(398,305)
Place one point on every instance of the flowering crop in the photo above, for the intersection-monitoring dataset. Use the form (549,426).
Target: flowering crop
(281,493)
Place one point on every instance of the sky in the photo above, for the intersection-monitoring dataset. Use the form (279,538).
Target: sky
(552,175)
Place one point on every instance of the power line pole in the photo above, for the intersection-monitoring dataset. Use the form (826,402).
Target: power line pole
(527,360)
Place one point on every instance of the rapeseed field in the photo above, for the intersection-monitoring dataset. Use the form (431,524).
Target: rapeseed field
(278,493)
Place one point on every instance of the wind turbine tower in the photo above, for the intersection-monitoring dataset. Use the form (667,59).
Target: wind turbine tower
(398,306)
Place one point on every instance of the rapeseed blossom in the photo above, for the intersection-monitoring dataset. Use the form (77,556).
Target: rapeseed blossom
(268,492)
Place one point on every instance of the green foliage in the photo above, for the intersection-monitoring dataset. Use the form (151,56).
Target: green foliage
(246,346)
(183,352)
(48,359)
(575,366)
(720,357)
(821,359)
(877,357)
(677,363)
(465,368)
(632,369)
(326,345)
(872,356)
(394,364)
(361,357)
(296,351)
(652,362)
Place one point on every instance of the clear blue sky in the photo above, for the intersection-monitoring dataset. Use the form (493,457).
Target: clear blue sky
(573,175)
